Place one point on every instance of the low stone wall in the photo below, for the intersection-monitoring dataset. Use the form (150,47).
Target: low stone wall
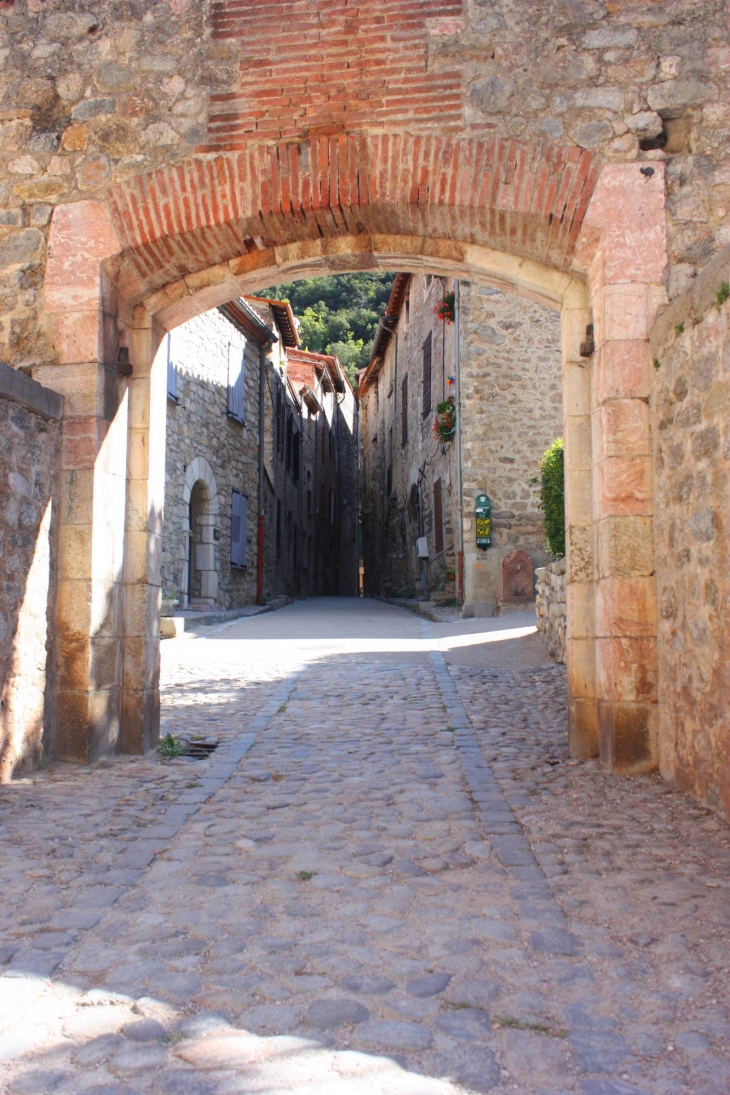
(29,473)
(550,605)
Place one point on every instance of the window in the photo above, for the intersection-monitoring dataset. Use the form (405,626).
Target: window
(239,523)
(279,422)
(235,382)
(289,440)
(296,449)
(427,376)
(404,411)
(438,518)
(408,311)
(171,373)
(389,472)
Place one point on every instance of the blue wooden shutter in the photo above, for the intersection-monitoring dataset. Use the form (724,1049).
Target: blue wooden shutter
(239,521)
(235,381)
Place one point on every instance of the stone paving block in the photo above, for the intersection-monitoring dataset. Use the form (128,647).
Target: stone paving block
(7,950)
(535,1059)
(613,1087)
(600,1051)
(430,984)
(554,941)
(476,1067)
(180,1081)
(76,918)
(328,1014)
(392,1034)
(51,940)
(38,1082)
(34,963)
(98,1050)
(100,897)
(133,1060)
(465,1024)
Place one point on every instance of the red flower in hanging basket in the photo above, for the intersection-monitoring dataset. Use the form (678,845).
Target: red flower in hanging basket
(445,308)
(444,423)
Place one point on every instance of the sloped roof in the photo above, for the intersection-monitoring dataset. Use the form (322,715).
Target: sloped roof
(328,367)
(284,318)
(384,333)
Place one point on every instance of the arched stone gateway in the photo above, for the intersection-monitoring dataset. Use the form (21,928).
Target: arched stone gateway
(160,159)
(533,219)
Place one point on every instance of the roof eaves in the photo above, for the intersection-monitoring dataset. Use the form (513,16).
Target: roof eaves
(242,316)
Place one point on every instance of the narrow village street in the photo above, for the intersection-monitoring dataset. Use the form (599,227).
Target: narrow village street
(388,878)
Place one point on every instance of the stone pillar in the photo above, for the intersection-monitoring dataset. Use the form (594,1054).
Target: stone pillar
(143,535)
(627,272)
(580,646)
(87,637)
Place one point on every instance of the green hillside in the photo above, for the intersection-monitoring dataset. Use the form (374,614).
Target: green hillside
(338,313)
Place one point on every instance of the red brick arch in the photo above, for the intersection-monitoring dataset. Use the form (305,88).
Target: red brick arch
(526,199)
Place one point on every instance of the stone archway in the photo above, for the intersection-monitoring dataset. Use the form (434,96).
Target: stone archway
(200,495)
(535,219)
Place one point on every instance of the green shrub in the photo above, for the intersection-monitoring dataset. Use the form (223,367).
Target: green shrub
(552,495)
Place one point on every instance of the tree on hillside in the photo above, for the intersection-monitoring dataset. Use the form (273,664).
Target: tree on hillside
(338,313)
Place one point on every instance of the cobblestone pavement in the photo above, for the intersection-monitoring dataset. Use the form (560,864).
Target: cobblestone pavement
(387,879)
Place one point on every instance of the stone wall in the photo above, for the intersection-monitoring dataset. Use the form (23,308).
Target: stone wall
(691,419)
(199,427)
(393,519)
(29,494)
(511,412)
(550,606)
(91,98)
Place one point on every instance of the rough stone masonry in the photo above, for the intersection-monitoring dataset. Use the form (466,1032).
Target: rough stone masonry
(185,145)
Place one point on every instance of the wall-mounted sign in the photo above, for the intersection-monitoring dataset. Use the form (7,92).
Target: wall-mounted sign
(483,513)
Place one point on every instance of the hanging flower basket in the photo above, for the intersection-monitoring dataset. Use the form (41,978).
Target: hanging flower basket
(445,308)
(444,424)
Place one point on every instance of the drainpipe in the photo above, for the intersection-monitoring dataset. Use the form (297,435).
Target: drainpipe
(262,441)
(457,441)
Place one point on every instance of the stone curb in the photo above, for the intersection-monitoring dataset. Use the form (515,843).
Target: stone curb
(502,828)
(415,608)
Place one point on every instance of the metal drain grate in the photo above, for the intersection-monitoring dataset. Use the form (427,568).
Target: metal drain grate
(200,750)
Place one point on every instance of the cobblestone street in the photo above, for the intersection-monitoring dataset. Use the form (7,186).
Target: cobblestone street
(387,879)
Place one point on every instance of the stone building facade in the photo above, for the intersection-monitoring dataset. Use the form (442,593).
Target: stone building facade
(30,489)
(211,460)
(511,412)
(210,529)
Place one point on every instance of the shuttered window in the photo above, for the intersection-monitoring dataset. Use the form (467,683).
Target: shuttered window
(235,382)
(438,518)
(289,440)
(404,411)
(239,522)
(427,376)
(171,372)
(295,455)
